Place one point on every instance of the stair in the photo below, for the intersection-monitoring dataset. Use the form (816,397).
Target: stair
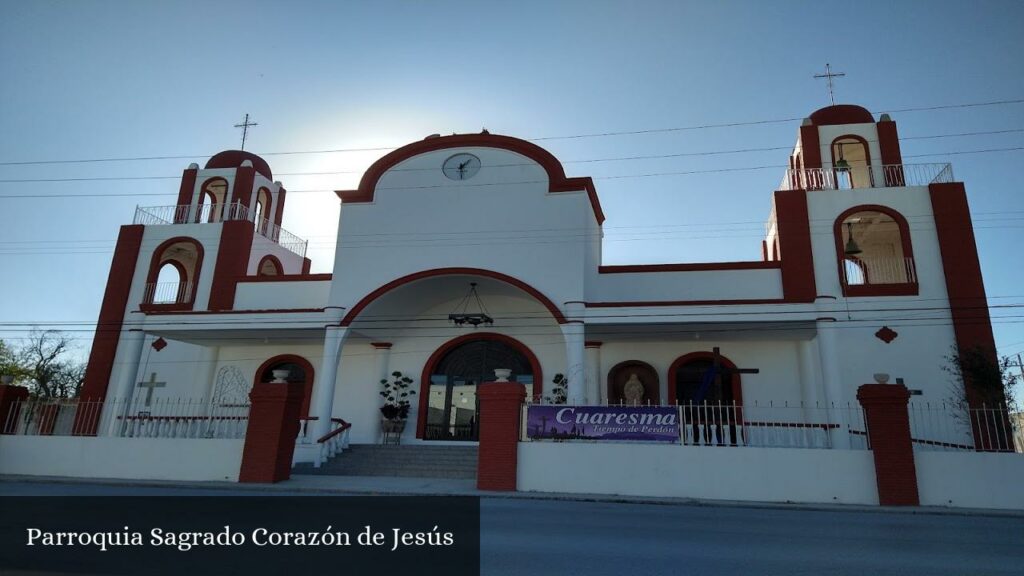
(402,460)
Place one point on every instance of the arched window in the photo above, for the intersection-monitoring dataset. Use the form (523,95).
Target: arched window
(261,211)
(452,407)
(874,252)
(851,162)
(299,370)
(212,196)
(173,274)
(269,266)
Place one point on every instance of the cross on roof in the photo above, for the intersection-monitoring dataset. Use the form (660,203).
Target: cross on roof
(829,75)
(245,128)
(150,386)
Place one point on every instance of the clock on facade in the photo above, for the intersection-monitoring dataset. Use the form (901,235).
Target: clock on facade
(461,166)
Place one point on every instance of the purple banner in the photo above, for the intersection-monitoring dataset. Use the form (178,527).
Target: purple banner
(632,423)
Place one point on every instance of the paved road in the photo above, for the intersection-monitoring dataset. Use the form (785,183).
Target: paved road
(595,538)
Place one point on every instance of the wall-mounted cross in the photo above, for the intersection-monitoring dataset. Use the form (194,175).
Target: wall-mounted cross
(150,386)
(829,75)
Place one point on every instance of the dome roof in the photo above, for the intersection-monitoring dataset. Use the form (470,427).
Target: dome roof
(234,159)
(842,114)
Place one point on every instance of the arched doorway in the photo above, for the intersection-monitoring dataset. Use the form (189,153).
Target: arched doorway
(299,370)
(645,373)
(711,400)
(449,407)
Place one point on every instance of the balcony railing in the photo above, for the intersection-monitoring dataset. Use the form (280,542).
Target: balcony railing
(168,293)
(879,270)
(209,213)
(889,175)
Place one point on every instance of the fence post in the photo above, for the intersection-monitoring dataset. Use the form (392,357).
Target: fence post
(11,399)
(500,404)
(270,435)
(888,423)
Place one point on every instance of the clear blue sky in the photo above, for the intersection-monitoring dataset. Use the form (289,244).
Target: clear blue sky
(116,79)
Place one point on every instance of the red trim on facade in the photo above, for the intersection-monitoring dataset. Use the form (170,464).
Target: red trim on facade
(288,278)
(232,263)
(889,151)
(277,266)
(306,265)
(558,182)
(764,250)
(428,369)
(499,436)
(592,344)
(307,384)
(108,326)
(188,186)
(736,383)
(968,304)
(241,192)
(810,147)
(794,236)
(642,303)
(369,298)
(695,267)
(234,159)
(381,345)
(271,431)
(157,261)
(270,311)
(842,114)
(279,210)
(904,289)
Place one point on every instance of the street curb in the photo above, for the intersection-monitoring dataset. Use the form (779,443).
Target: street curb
(595,498)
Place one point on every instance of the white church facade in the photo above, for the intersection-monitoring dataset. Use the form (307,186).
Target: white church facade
(856,244)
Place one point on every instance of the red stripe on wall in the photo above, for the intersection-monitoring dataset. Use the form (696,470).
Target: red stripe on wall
(232,263)
(795,246)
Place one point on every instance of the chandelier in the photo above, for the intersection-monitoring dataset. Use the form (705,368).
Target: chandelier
(462,316)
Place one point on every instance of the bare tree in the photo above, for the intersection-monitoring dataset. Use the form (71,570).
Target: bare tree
(49,373)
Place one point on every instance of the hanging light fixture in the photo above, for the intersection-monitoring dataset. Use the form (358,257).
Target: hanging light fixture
(852,249)
(462,315)
(842,165)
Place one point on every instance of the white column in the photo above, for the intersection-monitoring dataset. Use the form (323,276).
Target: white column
(326,379)
(129,359)
(594,376)
(810,385)
(207,371)
(828,351)
(382,353)
(575,369)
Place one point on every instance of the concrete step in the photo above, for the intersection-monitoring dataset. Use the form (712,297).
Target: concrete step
(405,460)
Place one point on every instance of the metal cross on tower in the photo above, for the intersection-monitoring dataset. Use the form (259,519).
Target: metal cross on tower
(828,74)
(245,128)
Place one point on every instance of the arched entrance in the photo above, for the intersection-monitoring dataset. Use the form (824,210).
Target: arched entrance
(449,408)
(646,374)
(299,370)
(711,400)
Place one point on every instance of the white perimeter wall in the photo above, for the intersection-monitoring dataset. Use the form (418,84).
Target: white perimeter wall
(127,458)
(970,480)
(748,474)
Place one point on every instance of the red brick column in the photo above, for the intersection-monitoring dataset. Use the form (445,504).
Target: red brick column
(9,396)
(500,404)
(885,410)
(270,436)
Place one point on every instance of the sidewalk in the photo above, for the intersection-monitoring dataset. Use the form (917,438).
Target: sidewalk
(309,485)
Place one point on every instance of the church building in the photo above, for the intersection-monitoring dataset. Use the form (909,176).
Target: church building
(460,255)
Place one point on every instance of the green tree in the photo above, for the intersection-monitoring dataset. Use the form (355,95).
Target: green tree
(10,363)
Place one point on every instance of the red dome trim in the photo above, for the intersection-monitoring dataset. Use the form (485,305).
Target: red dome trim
(234,159)
(558,182)
(842,114)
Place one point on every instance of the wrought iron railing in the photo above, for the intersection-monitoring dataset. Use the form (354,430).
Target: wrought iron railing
(168,293)
(879,270)
(951,426)
(889,175)
(209,213)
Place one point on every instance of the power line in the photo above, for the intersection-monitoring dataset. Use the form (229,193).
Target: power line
(541,138)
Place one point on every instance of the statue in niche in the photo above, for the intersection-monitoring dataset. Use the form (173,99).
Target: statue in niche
(633,390)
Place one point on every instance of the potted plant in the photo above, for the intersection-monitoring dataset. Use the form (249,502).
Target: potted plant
(395,410)
(559,392)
